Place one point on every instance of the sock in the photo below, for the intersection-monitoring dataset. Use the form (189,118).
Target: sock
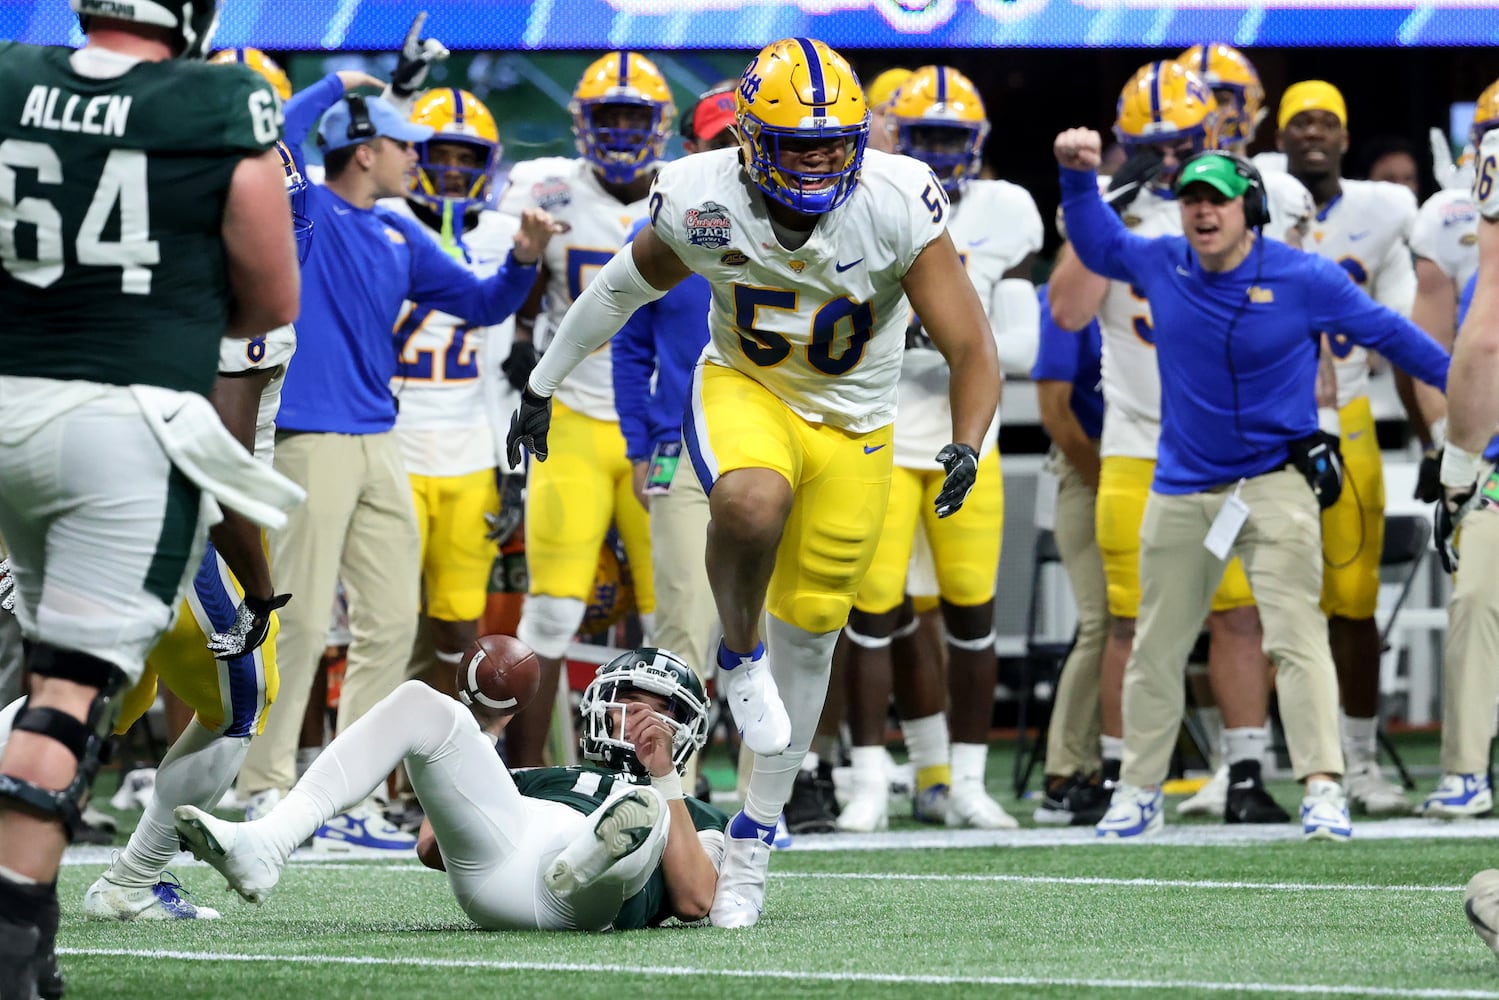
(1108,770)
(810,762)
(1111,747)
(305,757)
(867,762)
(926,740)
(1360,738)
(1321,786)
(743,827)
(197,771)
(968,760)
(728,659)
(1243,770)
(801,664)
(1245,744)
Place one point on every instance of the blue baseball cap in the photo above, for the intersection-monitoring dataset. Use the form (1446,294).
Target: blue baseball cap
(384,120)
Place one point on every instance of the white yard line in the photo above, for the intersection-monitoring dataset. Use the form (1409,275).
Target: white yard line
(798,975)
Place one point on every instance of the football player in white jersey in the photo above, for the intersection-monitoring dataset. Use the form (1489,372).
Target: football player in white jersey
(443,424)
(1364,227)
(938,117)
(811,244)
(622,116)
(1166,113)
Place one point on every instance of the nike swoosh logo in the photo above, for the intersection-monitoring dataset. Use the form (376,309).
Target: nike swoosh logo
(1352,237)
(870,451)
(1355,435)
(978,243)
(340,211)
(840,268)
(1183,271)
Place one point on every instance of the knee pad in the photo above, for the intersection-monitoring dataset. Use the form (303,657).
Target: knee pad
(548,624)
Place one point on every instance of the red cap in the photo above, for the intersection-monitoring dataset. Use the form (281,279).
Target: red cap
(712,115)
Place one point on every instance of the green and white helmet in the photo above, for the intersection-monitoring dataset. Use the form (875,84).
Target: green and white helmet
(192,21)
(645,669)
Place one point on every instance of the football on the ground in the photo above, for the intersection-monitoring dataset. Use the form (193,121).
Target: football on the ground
(499,673)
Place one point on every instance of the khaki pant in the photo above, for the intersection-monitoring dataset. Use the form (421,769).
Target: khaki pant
(1281,548)
(358,526)
(1470,677)
(1076,721)
(686,617)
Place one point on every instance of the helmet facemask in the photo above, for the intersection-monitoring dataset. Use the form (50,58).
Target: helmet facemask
(430,180)
(952,149)
(621,136)
(606,705)
(803,191)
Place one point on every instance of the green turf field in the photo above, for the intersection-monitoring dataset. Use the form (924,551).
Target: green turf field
(1204,909)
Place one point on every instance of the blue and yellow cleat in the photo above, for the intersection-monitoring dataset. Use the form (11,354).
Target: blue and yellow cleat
(166,900)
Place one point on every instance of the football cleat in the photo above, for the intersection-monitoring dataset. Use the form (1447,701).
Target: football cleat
(1248,802)
(740,895)
(260,804)
(135,790)
(1459,796)
(624,826)
(756,705)
(968,805)
(1481,904)
(107,900)
(250,866)
(868,807)
(1133,812)
(782,838)
(929,803)
(1076,801)
(1210,798)
(812,808)
(1324,812)
(1371,793)
(363,826)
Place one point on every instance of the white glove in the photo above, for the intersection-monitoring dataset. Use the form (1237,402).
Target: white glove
(1452,176)
(417,56)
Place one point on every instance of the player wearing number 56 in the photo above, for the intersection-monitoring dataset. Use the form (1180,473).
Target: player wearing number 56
(143,218)
(338,411)
(1238,321)
(810,243)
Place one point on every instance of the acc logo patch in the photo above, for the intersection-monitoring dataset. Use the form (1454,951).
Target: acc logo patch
(707,226)
(1131,221)
(733,258)
(1468,239)
(551,193)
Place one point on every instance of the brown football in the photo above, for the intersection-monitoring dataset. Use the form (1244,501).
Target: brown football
(498,673)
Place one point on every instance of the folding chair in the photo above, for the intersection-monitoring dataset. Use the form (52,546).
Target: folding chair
(1405,544)
(1042,662)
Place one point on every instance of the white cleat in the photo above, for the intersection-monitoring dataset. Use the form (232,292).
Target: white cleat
(251,867)
(970,806)
(623,827)
(107,900)
(868,806)
(740,896)
(756,705)
(260,804)
(1371,793)
(1211,799)
(1481,904)
(135,790)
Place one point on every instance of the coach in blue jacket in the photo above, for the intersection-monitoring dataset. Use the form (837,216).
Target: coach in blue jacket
(1242,465)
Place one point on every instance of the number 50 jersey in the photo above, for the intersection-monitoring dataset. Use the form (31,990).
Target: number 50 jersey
(823,326)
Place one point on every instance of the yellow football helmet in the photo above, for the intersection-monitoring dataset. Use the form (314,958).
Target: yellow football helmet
(456,116)
(798,88)
(938,117)
(1226,70)
(622,81)
(1486,114)
(260,63)
(1165,103)
(613,593)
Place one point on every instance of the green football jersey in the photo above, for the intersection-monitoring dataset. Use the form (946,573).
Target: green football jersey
(112,194)
(587,788)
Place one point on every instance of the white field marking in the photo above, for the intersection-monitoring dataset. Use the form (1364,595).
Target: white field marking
(1299,989)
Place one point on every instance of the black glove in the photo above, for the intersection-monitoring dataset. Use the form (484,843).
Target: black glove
(520,364)
(1319,458)
(528,427)
(1130,179)
(417,56)
(502,523)
(251,624)
(962,465)
(1450,512)
(1429,476)
(916,338)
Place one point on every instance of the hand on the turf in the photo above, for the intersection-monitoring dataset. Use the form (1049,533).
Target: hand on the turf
(417,56)
(652,737)
(962,465)
(7,587)
(252,622)
(528,427)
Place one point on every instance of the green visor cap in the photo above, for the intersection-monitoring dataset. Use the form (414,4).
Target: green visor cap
(1218,172)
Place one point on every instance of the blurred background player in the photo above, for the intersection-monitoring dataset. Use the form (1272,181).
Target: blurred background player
(613,845)
(1167,113)
(937,117)
(881,94)
(268,68)
(1363,227)
(443,421)
(622,114)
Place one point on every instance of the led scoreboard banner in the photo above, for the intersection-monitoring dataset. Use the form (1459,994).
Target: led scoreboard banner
(749,24)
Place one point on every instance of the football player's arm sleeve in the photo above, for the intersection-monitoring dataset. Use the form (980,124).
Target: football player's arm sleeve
(632,356)
(439,280)
(307,106)
(1016,318)
(1098,237)
(1339,305)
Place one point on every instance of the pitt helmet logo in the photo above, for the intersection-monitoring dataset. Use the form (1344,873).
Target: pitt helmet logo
(749,85)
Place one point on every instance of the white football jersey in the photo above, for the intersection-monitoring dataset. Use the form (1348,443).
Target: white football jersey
(1291,208)
(824,326)
(597,225)
(272,350)
(1446,233)
(441,418)
(995,226)
(1365,230)
(1486,178)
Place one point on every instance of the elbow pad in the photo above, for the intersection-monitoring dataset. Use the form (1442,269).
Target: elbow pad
(1015,316)
(610,298)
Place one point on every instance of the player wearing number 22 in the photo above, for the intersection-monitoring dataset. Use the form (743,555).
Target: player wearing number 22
(143,218)
(809,242)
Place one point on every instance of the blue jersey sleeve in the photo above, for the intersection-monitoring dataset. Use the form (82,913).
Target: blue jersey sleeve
(1098,237)
(440,281)
(1340,306)
(1056,357)
(305,108)
(632,355)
